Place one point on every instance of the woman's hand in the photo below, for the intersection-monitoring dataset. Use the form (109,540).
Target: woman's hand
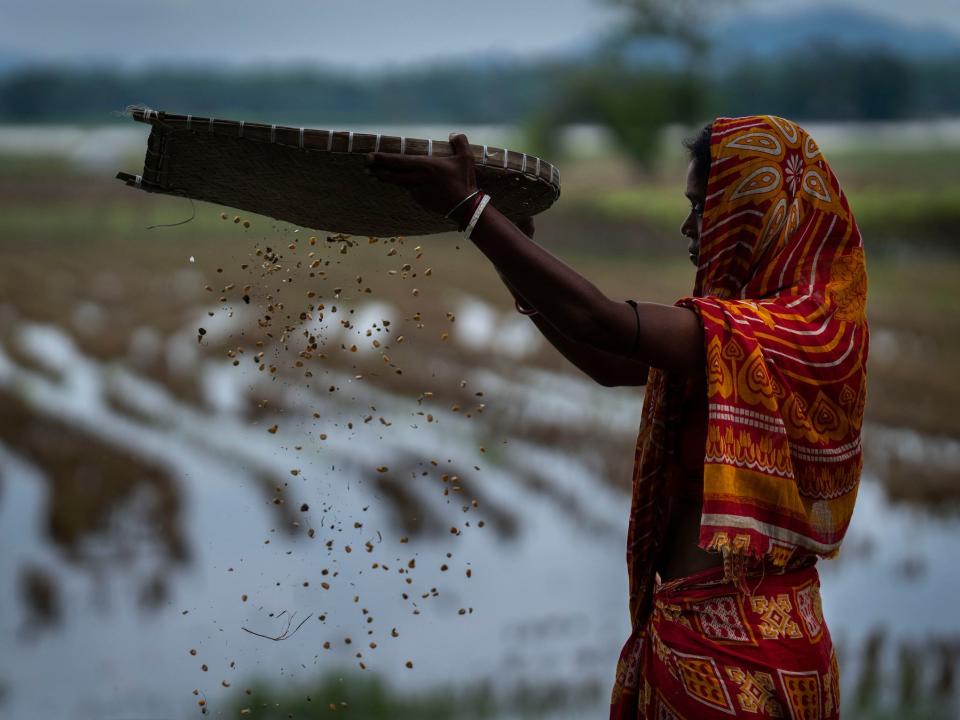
(436,183)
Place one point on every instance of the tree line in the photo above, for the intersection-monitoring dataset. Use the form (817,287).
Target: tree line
(634,101)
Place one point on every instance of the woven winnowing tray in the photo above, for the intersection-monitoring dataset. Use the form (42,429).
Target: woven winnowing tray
(316,178)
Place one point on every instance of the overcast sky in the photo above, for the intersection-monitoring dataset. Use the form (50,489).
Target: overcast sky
(352,33)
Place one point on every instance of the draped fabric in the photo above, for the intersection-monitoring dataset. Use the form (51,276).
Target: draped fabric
(781,295)
(780,291)
(712,652)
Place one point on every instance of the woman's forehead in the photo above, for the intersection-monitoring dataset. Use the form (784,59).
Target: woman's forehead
(695,184)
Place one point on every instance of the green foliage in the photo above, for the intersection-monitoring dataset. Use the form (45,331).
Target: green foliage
(680,20)
(455,93)
(922,709)
(822,82)
(363,697)
(887,217)
(634,105)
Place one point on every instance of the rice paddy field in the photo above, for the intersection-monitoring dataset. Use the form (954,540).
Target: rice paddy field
(253,470)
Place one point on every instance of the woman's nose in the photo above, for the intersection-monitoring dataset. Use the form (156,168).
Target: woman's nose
(689,227)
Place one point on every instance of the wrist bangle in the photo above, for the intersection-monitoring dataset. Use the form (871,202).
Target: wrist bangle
(476,215)
(457,206)
(522,310)
(469,209)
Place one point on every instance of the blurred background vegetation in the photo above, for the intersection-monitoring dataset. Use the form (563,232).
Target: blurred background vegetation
(139,498)
(667,63)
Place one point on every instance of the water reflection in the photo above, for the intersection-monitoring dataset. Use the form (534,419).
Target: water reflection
(142,520)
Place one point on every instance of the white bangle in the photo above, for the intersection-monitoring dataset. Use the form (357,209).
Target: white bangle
(476,216)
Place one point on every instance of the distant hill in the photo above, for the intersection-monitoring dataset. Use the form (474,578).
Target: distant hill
(10,61)
(769,34)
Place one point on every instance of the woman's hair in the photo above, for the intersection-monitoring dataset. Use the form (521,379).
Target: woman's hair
(699,148)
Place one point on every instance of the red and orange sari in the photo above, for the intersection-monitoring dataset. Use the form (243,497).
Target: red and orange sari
(780,291)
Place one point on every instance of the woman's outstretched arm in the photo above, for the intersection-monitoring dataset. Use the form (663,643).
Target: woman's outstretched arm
(667,337)
(602,367)
(670,338)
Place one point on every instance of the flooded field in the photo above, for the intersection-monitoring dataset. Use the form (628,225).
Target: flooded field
(221,468)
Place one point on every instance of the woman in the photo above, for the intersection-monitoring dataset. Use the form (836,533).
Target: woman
(748,457)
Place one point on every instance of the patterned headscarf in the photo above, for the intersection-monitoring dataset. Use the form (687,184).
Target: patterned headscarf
(780,290)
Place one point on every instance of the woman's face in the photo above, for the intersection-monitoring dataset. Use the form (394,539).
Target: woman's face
(696,193)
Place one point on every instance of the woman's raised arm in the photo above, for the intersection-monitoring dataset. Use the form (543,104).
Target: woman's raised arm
(661,336)
(665,336)
(602,367)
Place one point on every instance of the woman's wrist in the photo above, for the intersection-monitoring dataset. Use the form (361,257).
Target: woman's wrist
(464,211)
(455,210)
(479,207)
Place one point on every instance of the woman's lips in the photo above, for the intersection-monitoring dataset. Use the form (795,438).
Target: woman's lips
(693,249)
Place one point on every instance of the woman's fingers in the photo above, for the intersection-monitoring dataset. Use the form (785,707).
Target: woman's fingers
(436,182)
(461,146)
(401,177)
(396,161)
